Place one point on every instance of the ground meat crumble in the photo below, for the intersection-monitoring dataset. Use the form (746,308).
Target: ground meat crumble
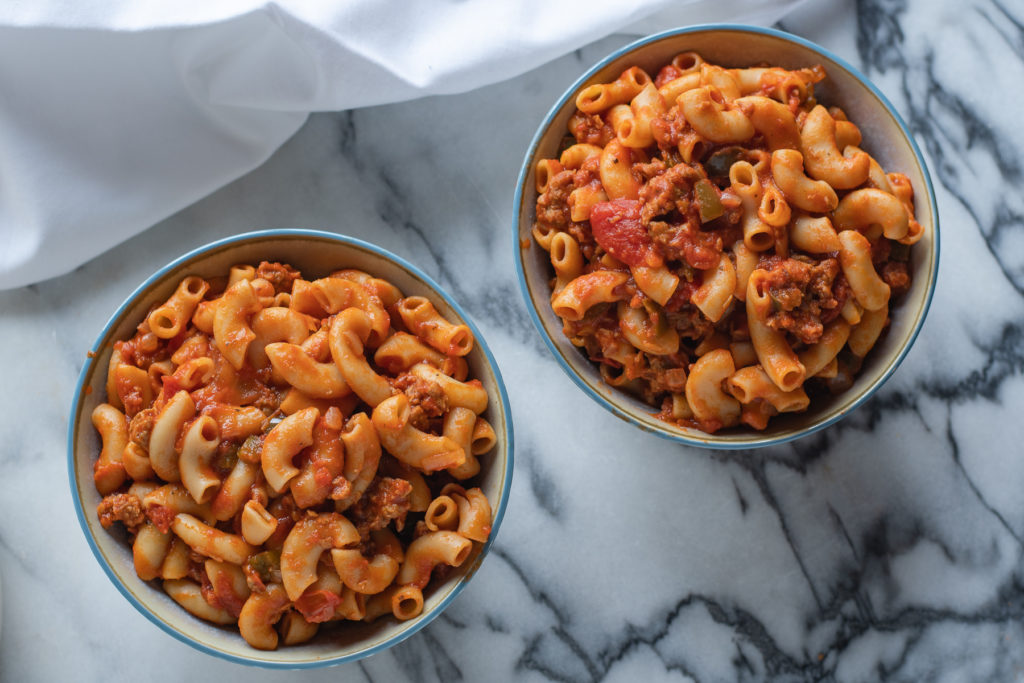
(553,203)
(120,507)
(668,191)
(385,500)
(801,292)
(278,274)
(427,399)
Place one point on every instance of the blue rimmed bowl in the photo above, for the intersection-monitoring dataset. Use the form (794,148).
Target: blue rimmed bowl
(886,137)
(316,254)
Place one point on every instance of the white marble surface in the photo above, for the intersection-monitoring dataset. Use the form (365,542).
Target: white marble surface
(887,547)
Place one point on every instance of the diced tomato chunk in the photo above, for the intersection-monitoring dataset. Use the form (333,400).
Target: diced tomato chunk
(617,228)
(224,589)
(317,606)
(171,386)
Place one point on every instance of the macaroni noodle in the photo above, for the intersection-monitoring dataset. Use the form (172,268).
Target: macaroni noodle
(257,420)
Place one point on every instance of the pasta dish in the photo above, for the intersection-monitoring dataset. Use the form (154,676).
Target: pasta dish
(720,244)
(285,453)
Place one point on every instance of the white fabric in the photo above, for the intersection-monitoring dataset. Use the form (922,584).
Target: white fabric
(116,113)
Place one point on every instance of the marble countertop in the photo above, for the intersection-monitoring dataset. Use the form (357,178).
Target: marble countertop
(888,546)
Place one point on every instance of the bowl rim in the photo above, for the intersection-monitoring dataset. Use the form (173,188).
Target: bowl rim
(709,440)
(79,395)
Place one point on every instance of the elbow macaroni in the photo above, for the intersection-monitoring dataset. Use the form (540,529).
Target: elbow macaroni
(720,186)
(239,420)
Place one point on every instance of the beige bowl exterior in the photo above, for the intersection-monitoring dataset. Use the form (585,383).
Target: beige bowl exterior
(885,137)
(315,254)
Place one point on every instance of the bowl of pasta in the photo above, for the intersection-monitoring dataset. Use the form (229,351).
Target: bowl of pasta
(290,449)
(726,235)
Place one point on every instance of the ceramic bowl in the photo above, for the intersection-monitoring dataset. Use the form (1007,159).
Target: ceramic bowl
(316,254)
(886,137)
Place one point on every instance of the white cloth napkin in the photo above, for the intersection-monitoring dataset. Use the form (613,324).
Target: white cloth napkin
(114,114)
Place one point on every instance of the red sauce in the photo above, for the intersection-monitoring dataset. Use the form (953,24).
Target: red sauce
(131,394)
(666,74)
(141,350)
(171,386)
(161,517)
(224,590)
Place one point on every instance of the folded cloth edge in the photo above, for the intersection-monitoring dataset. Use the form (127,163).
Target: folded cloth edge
(224,96)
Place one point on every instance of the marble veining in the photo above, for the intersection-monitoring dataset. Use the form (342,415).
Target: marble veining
(887,547)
